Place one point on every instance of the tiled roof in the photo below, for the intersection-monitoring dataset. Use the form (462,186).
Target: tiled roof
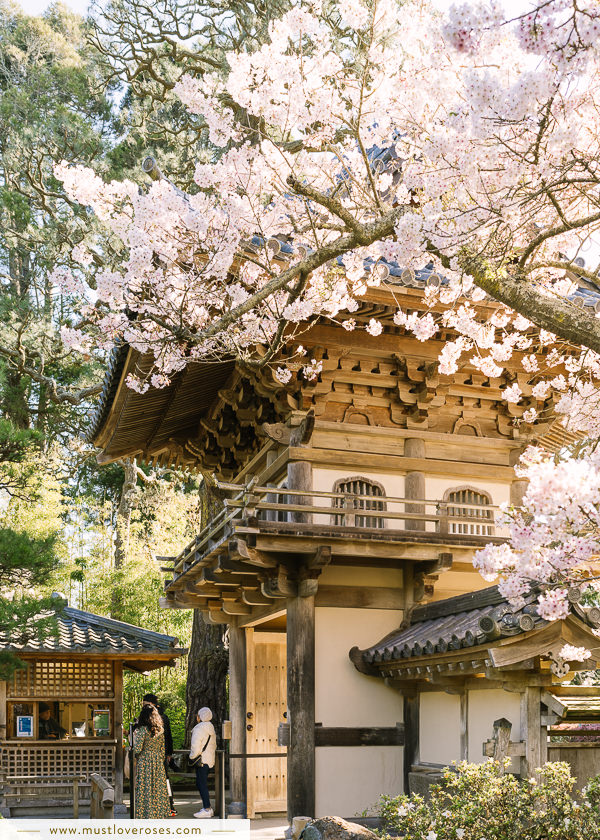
(467,620)
(112,377)
(78,631)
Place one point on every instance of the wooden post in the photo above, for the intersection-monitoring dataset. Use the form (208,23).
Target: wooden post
(464,725)
(301,706)
(118,710)
(3,710)
(517,491)
(272,498)
(237,715)
(531,730)
(411,735)
(414,484)
(299,477)
(76,799)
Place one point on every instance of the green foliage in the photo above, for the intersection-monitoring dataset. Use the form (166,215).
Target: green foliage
(477,801)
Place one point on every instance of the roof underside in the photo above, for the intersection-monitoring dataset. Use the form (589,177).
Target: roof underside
(127,422)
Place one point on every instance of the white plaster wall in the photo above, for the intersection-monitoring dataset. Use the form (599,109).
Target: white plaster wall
(393,485)
(484,707)
(343,696)
(324,479)
(350,779)
(361,576)
(439,727)
(436,486)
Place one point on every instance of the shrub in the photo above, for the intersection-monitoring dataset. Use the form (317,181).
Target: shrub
(478,802)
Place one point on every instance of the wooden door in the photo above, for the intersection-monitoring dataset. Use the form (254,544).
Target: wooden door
(266,687)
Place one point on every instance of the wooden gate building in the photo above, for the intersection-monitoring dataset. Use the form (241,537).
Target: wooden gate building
(74,674)
(348,501)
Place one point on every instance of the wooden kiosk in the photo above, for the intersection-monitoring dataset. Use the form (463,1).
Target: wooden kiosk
(348,502)
(77,673)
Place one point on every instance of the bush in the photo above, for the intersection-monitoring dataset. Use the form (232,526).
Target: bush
(477,802)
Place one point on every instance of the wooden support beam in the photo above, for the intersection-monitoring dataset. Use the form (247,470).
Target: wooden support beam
(237,714)
(411,735)
(118,715)
(254,557)
(301,706)
(459,469)
(235,608)
(373,597)
(256,599)
(531,722)
(349,736)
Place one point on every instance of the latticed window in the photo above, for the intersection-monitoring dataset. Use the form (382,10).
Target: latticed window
(359,494)
(468,512)
(62,678)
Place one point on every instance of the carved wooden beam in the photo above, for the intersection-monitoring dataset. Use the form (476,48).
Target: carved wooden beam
(254,556)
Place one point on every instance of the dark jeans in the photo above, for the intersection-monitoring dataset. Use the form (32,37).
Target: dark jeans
(202,784)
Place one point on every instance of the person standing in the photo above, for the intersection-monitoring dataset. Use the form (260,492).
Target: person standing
(153,699)
(204,745)
(151,796)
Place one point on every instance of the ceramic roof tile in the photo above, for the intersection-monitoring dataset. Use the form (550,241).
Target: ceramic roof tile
(461,622)
(78,630)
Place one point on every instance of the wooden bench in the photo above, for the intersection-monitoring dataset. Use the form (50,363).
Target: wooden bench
(45,784)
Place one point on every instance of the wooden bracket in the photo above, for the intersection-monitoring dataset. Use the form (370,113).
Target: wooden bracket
(253,555)
(280,586)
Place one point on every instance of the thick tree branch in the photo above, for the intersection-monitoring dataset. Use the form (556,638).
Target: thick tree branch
(57,393)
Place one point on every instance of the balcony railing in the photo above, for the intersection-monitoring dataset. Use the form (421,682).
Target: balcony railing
(254,508)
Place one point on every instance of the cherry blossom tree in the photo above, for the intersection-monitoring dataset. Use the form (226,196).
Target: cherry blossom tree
(370,134)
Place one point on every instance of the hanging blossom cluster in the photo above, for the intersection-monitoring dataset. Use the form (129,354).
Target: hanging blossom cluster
(369,139)
(554,534)
(383,136)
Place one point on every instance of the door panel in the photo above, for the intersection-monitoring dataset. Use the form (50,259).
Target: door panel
(266,688)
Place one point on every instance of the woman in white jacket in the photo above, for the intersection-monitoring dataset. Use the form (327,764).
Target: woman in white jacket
(204,743)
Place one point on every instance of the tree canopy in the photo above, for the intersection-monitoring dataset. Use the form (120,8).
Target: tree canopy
(359,137)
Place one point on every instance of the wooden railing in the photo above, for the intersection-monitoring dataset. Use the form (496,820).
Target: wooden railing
(253,504)
(27,762)
(102,804)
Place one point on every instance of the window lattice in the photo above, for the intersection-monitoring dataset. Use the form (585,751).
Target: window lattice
(55,761)
(463,519)
(352,487)
(63,679)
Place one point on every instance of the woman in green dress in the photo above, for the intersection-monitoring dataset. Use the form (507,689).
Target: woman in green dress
(151,795)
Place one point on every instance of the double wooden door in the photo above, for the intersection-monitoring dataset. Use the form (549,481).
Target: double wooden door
(266,687)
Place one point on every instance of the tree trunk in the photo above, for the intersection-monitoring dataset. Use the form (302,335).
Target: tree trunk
(122,529)
(208,663)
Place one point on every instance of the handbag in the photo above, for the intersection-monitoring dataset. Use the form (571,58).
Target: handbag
(126,768)
(197,761)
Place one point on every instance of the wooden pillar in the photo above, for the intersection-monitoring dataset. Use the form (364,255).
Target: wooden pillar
(301,706)
(517,491)
(411,735)
(531,731)
(272,498)
(464,725)
(3,710)
(299,477)
(118,707)
(237,715)
(414,483)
